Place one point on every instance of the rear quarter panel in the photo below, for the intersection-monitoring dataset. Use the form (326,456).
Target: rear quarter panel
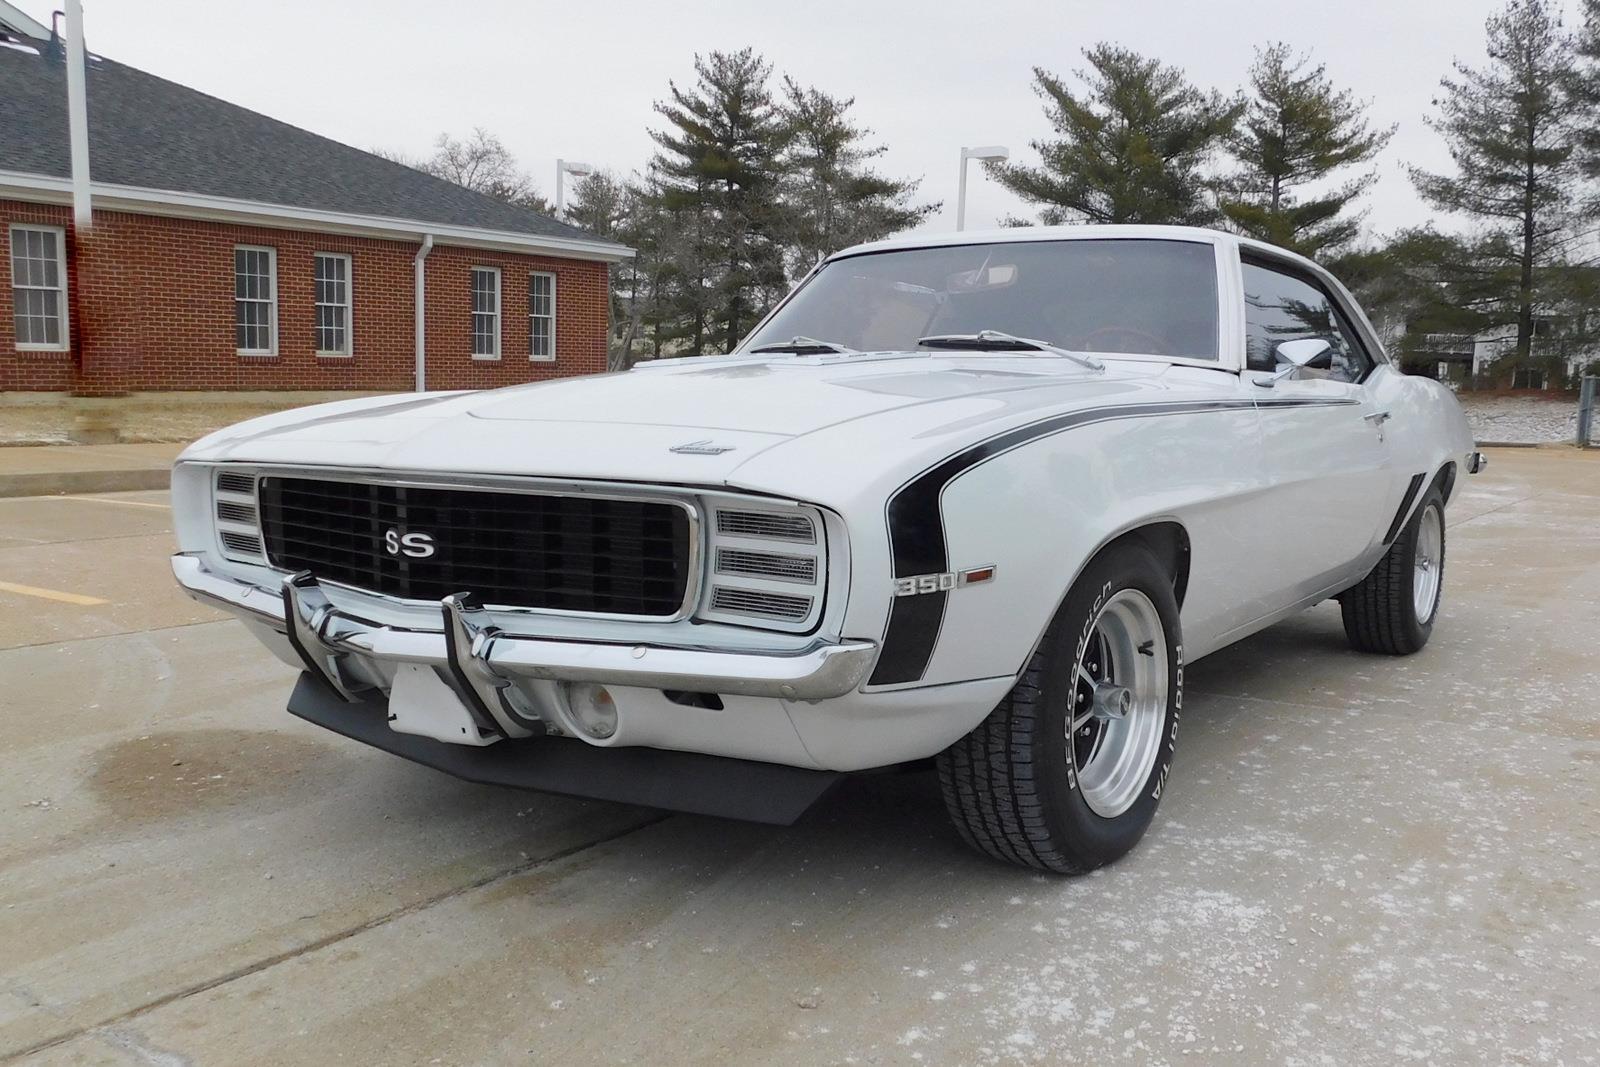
(1427,428)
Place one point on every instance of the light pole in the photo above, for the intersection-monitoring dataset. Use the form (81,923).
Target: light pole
(563,168)
(989,153)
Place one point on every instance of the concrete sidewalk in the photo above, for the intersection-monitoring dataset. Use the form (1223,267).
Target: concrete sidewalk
(45,470)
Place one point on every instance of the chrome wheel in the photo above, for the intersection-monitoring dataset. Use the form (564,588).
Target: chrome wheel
(1428,564)
(1118,703)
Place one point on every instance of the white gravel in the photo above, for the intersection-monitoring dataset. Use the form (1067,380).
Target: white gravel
(1521,419)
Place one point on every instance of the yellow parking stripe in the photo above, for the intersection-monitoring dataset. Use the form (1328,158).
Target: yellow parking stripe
(52,594)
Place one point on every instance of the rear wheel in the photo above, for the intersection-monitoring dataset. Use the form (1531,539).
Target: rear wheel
(1392,610)
(1065,774)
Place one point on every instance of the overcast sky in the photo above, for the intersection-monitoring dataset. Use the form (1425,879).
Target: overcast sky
(577,79)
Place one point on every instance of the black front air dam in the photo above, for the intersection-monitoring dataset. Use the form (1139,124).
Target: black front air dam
(649,777)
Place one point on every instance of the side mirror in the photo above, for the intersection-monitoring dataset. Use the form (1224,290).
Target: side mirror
(1313,352)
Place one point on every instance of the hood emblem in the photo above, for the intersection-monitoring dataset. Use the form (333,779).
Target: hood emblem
(701,448)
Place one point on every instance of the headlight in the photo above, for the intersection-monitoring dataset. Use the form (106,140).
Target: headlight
(766,565)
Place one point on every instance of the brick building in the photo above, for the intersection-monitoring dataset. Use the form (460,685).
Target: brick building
(232,251)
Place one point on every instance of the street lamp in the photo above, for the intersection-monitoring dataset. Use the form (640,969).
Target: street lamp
(989,153)
(563,168)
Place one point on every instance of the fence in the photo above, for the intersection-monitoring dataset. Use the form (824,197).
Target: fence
(1586,403)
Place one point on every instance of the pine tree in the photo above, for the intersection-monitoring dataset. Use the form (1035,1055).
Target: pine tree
(717,175)
(833,196)
(1584,87)
(609,208)
(1508,128)
(1132,144)
(1297,131)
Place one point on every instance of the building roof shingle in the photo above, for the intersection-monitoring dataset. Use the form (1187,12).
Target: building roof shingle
(151,133)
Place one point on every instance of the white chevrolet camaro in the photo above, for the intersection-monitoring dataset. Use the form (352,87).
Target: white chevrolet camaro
(973,498)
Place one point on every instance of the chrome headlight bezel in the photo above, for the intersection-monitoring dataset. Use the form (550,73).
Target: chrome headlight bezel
(766,564)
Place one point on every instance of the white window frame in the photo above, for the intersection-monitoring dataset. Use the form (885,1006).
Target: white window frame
(349,304)
(65,344)
(473,312)
(534,357)
(272,302)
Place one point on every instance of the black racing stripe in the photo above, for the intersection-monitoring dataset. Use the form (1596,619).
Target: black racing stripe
(916,526)
(1405,508)
(914,623)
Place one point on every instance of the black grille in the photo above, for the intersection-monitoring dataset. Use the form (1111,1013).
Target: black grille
(563,553)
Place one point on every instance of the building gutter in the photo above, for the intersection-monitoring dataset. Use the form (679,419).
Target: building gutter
(419,281)
(45,188)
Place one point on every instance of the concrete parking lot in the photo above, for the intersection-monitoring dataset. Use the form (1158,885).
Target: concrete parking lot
(1359,860)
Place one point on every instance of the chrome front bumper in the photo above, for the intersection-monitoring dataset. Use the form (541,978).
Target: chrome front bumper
(484,659)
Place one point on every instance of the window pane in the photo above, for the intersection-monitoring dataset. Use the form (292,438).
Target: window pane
(332,299)
(485,312)
(253,299)
(541,315)
(24,323)
(1143,297)
(48,268)
(539,291)
(1280,307)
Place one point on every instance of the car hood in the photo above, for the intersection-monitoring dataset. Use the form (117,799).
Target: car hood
(780,395)
(688,421)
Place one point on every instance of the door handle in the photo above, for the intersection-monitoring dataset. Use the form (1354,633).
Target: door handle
(1377,418)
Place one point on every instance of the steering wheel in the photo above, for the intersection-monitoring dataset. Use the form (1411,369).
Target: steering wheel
(1146,344)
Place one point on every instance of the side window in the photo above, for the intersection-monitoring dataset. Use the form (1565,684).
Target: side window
(1281,307)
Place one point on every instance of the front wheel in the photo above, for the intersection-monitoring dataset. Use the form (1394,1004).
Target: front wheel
(1391,610)
(1065,774)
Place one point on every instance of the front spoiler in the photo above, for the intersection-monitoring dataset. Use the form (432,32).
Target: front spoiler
(649,777)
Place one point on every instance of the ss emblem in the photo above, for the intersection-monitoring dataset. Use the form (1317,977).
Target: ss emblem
(415,545)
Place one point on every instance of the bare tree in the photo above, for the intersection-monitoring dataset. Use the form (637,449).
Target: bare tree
(480,162)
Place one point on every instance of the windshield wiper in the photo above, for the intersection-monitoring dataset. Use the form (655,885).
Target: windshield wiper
(995,341)
(802,346)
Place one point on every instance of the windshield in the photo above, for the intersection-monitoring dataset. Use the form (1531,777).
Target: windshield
(1130,296)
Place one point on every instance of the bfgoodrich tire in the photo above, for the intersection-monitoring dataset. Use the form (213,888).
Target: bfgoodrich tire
(1392,610)
(1065,774)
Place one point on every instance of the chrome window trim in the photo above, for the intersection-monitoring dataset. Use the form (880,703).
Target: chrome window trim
(496,483)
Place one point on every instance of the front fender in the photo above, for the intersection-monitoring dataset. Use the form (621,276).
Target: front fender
(1039,512)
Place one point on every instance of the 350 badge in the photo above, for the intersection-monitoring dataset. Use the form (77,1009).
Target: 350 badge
(943,581)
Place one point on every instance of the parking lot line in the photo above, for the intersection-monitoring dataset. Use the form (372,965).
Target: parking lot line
(129,503)
(52,594)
